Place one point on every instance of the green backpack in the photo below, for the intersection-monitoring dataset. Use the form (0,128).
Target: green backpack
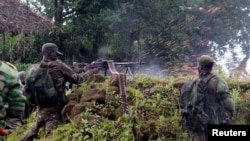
(195,106)
(39,86)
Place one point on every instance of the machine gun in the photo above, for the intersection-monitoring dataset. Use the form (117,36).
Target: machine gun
(105,64)
(111,66)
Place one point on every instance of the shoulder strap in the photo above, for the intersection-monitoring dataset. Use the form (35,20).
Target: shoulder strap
(204,87)
(206,80)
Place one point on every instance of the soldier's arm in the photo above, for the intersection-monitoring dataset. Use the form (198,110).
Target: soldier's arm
(225,95)
(73,77)
(15,98)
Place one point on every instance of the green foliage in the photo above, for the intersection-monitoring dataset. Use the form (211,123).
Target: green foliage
(22,130)
(163,30)
(16,47)
(22,66)
(153,114)
(241,107)
(236,94)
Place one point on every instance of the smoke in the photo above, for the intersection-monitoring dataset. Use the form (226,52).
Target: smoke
(102,52)
(150,68)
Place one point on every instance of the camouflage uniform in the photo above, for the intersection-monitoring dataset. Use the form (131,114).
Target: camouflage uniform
(11,95)
(50,116)
(216,86)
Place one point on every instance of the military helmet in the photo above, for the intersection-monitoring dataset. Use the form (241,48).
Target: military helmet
(51,47)
(205,59)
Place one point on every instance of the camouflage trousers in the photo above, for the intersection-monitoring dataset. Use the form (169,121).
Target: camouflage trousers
(198,136)
(47,117)
(12,123)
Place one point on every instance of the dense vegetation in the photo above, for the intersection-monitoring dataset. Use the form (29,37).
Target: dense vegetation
(163,32)
(95,112)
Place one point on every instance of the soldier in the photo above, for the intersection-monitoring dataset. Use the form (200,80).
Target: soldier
(50,115)
(220,99)
(12,100)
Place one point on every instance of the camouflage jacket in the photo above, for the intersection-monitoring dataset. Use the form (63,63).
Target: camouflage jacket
(11,93)
(218,92)
(61,73)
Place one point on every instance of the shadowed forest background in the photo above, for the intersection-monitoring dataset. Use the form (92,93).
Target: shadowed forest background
(165,33)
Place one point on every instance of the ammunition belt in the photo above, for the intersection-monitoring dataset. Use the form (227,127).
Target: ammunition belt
(122,92)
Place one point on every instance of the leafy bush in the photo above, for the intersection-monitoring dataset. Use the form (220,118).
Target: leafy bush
(22,66)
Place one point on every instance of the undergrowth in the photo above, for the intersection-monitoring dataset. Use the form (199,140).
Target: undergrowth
(153,114)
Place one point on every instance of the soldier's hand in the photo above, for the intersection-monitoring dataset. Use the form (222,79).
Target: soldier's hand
(95,70)
(92,71)
(86,67)
(80,67)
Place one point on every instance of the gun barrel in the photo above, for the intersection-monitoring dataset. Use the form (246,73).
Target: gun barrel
(129,63)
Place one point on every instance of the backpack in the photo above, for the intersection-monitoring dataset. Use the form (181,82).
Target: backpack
(196,111)
(39,86)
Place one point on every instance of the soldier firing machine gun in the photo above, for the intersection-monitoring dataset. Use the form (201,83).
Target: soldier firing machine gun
(111,65)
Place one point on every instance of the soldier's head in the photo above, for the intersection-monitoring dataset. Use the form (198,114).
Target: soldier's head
(50,51)
(205,62)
